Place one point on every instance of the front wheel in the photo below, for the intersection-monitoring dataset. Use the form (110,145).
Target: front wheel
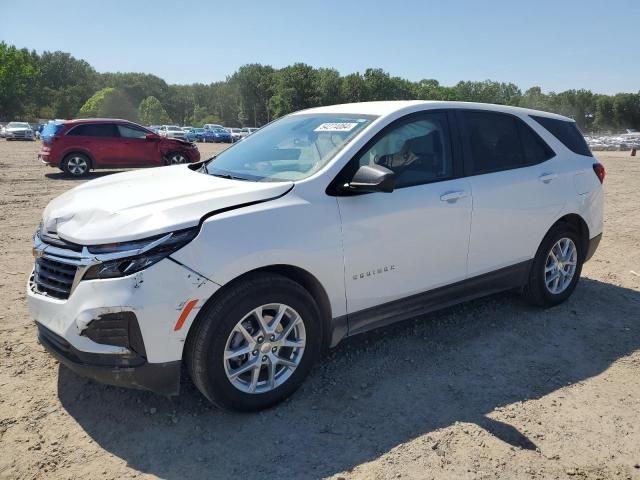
(556,267)
(176,158)
(254,346)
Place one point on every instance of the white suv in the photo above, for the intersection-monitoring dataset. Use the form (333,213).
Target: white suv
(323,224)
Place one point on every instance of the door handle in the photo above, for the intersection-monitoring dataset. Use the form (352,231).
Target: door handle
(547,177)
(452,197)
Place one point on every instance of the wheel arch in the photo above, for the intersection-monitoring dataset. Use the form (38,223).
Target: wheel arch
(579,223)
(81,151)
(302,277)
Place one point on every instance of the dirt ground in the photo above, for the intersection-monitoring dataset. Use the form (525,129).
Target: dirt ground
(489,389)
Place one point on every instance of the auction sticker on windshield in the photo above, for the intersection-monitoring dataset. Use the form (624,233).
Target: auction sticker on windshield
(336,127)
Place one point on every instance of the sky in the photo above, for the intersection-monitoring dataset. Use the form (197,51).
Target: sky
(556,45)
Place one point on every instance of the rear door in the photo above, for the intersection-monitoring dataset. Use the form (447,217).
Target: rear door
(99,139)
(518,188)
(134,149)
(415,238)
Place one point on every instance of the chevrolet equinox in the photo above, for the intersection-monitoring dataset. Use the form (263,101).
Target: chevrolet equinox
(323,224)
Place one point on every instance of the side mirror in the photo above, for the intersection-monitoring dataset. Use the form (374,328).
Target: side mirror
(372,179)
(152,136)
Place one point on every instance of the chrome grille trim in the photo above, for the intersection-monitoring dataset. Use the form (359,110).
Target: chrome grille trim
(53,260)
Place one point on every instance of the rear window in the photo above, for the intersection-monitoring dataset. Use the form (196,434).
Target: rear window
(50,130)
(567,132)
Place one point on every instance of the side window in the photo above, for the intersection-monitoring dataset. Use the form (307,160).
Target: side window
(418,151)
(95,130)
(129,131)
(80,130)
(494,141)
(535,149)
(567,132)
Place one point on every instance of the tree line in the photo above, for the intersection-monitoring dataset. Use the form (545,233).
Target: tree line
(56,85)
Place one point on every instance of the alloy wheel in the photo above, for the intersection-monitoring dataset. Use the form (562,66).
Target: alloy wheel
(177,158)
(77,166)
(264,348)
(560,266)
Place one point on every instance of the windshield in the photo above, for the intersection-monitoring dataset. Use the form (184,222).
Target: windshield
(292,148)
(18,125)
(174,129)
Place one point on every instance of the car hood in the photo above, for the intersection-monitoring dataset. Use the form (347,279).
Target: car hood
(177,141)
(18,129)
(134,205)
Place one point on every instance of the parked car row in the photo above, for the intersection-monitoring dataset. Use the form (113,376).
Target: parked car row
(209,133)
(78,146)
(624,142)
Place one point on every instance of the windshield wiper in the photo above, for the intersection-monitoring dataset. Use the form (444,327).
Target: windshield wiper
(229,177)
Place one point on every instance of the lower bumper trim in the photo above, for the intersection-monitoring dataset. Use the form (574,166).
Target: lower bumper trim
(128,371)
(593,246)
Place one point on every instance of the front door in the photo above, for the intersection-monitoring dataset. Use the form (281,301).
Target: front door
(134,149)
(415,238)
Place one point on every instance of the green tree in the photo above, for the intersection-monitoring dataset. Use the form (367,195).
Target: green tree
(109,103)
(151,112)
(254,84)
(18,73)
(64,84)
(294,89)
(91,106)
(118,105)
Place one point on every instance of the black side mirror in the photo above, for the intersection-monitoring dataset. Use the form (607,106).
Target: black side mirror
(372,179)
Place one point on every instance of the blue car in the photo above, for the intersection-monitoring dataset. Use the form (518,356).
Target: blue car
(196,135)
(216,135)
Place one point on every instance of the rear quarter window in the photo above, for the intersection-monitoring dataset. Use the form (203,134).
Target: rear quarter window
(567,132)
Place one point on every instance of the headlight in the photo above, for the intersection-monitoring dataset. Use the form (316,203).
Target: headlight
(143,254)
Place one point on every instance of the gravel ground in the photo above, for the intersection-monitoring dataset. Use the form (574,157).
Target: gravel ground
(490,389)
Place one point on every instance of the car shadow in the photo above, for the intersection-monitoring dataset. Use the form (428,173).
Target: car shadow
(373,392)
(90,176)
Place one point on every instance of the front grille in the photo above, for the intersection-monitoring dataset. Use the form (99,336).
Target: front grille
(53,239)
(53,278)
(22,134)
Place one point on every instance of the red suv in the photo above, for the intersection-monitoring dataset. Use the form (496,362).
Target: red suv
(77,146)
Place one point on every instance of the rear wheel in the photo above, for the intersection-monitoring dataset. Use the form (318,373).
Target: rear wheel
(76,165)
(254,346)
(556,268)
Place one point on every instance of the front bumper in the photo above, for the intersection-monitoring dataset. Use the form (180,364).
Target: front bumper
(130,372)
(157,297)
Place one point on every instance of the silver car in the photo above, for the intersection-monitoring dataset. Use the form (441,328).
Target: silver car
(19,131)
(172,131)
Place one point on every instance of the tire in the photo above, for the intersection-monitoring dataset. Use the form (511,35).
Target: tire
(76,165)
(177,158)
(539,289)
(215,331)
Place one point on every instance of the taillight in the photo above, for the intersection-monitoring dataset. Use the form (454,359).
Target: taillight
(599,169)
